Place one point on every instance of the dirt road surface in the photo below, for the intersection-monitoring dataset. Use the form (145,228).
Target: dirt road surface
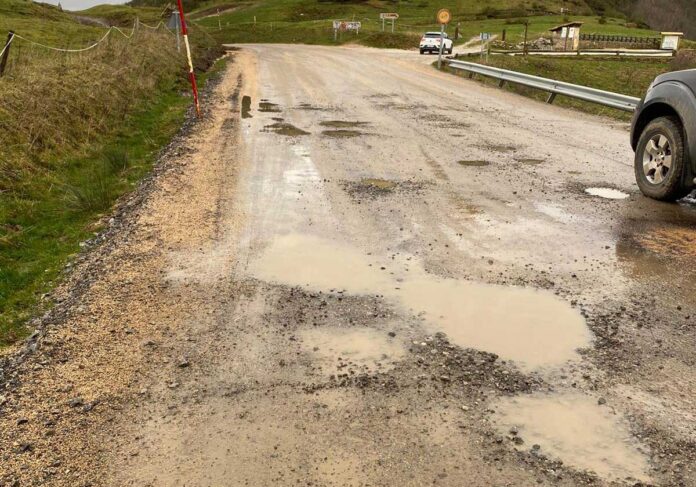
(356,270)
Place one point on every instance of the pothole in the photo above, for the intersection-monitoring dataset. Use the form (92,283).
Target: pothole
(373,187)
(284,128)
(338,124)
(310,107)
(473,163)
(342,133)
(352,350)
(575,429)
(246,106)
(608,193)
(266,106)
(499,148)
(533,328)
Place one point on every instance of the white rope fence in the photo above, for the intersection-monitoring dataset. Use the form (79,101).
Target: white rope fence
(104,37)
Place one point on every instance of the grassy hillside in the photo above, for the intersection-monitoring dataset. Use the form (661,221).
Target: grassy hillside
(310,21)
(77,130)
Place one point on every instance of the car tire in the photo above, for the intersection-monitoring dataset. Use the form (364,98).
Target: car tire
(661,160)
(422,51)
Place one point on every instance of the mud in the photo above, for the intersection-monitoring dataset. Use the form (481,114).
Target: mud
(365,349)
(268,107)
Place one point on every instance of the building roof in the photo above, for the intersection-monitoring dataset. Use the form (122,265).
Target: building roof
(569,24)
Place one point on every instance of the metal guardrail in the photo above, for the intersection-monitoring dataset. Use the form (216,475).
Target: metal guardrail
(593,95)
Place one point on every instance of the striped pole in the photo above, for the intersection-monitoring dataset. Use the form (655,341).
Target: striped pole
(192,76)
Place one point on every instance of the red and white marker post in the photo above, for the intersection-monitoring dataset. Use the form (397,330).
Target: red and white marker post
(192,76)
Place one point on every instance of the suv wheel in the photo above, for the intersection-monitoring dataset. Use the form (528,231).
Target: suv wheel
(661,160)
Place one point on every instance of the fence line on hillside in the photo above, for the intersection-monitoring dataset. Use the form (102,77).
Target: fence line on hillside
(14,38)
(111,29)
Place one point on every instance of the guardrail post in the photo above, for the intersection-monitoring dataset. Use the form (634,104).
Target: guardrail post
(6,52)
(501,84)
(551,98)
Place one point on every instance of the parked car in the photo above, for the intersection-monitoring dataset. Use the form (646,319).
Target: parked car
(430,42)
(663,136)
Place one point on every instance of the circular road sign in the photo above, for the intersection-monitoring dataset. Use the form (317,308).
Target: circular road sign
(443,16)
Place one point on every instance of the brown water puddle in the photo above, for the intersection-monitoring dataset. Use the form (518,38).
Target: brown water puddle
(246,106)
(342,133)
(533,328)
(268,107)
(351,350)
(342,124)
(575,429)
(284,128)
(474,163)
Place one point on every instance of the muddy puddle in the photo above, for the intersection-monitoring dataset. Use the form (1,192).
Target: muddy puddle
(533,328)
(284,128)
(574,429)
(607,193)
(342,133)
(310,107)
(342,124)
(268,107)
(246,106)
(473,163)
(352,350)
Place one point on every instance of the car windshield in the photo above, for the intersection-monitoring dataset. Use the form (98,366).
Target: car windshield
(433,34)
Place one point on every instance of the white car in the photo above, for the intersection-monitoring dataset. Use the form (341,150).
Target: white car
(430,42)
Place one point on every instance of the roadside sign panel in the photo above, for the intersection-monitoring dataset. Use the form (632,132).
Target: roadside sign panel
(341,25)
(485,36)
(389,16)
(443,16)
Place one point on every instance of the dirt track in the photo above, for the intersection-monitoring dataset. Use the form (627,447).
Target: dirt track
(369,273)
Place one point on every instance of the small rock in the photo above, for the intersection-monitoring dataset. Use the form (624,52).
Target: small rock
(183,363)
(391,334)
(76,402)
(514,430)
(601,401)
(21,421)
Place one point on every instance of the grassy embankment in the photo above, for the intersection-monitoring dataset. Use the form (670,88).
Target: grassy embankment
(310,22)
(77,130)
(620,75)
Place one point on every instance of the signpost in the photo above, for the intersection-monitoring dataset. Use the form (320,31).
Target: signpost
(443,18)
(389,16)
(485,39)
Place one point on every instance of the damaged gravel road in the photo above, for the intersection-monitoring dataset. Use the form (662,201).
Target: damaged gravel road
(356,270)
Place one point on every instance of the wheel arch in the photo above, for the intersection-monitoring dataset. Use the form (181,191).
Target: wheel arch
(672,99)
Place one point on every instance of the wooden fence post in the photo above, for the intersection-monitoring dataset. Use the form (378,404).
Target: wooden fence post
(6,52)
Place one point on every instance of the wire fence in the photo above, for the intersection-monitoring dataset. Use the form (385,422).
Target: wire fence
(13,57)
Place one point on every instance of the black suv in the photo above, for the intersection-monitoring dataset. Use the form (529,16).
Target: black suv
(663,137)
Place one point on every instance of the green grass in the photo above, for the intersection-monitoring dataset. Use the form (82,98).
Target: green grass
(53,225)
(310,21)
(620,75)
(78,131)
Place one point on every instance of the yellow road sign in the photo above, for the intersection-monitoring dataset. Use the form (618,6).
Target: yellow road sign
(444,16)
